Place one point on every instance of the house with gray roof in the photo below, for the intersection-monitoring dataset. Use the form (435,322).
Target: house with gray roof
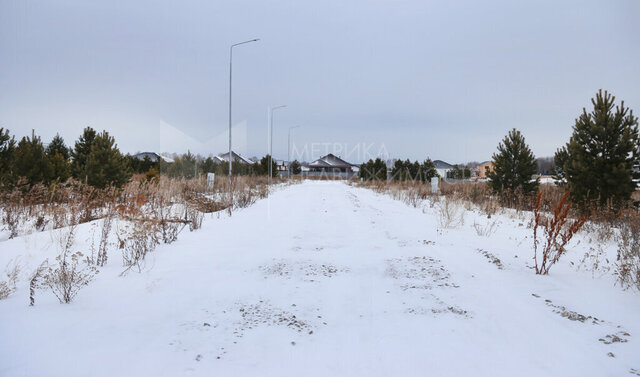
(442,168)
(331,164)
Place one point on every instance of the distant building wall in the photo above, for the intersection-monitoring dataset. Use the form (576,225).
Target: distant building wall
(484,168)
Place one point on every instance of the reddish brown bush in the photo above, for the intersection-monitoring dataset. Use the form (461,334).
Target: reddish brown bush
(558,231)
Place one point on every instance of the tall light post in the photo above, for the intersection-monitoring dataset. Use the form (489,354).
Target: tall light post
(271,109)
(289,152)
(230,81)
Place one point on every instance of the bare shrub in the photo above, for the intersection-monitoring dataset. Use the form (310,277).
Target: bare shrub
(35,282)
(194,218)
(142,240)
(69,276)
(12,272)
(485,230)
(101,258)
(628,260)
(244,198)
(71,273)
(13,213)
(451,213)
(558,231)
(595,260)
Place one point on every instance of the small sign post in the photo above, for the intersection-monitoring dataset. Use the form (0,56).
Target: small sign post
(210,178)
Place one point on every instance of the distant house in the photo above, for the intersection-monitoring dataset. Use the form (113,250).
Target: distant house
(217,160)
(331,164)
(224,157)
(282,165)
(484,168)
(442,168)
(152,156)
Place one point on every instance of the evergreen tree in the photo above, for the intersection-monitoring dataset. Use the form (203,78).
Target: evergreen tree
(175,169)
(60,167)
(31,162)
(513,166)
(295,167)
(598,161)
(264,162)
(560,159)
(399,171)
(57,146)
(7,149)
(188,165)
(105,165)
(373,170)
(208,166)
(80,153)
(428,170)
(58,156)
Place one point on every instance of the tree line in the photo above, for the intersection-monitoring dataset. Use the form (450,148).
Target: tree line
(95,159)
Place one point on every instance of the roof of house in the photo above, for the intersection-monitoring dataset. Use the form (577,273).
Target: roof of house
(439,164)
(153,156)
(236,158)
(330,161)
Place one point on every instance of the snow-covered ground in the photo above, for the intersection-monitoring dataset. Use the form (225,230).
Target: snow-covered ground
(325,279)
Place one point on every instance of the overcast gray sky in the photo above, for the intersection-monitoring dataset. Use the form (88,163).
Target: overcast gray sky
(412,79)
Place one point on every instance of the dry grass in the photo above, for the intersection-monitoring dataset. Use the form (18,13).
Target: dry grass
(141,214)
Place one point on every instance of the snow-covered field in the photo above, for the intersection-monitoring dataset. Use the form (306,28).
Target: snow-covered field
(325,279)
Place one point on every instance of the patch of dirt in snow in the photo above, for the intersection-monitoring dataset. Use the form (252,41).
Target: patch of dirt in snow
(304,269)
(424,272)
(620,335)
(492,258)
(264,314)
(214,334)
(440,307)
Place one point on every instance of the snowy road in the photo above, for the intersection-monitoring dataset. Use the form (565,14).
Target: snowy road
(324,279)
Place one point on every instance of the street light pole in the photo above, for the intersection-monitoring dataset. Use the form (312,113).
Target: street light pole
(289,152)
(271,139)
(230,86)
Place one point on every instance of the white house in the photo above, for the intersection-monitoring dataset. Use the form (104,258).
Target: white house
(442,168)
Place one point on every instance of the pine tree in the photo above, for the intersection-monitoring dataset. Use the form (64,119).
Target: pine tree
(60,167)
(208,166)
(188,165)
(105,165)
(513,166)
(598,161)
(373,170)
(80,153)
(31,162)
(7,149)
(560,159)
(175,169)
(400,170)
(264,162)
(58,156)
(428,170)
(295,167)
(57,146)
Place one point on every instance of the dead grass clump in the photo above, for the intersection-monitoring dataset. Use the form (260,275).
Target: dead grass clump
(628,260)
(142,240)
(485,230)
(12,273)
(451,214)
